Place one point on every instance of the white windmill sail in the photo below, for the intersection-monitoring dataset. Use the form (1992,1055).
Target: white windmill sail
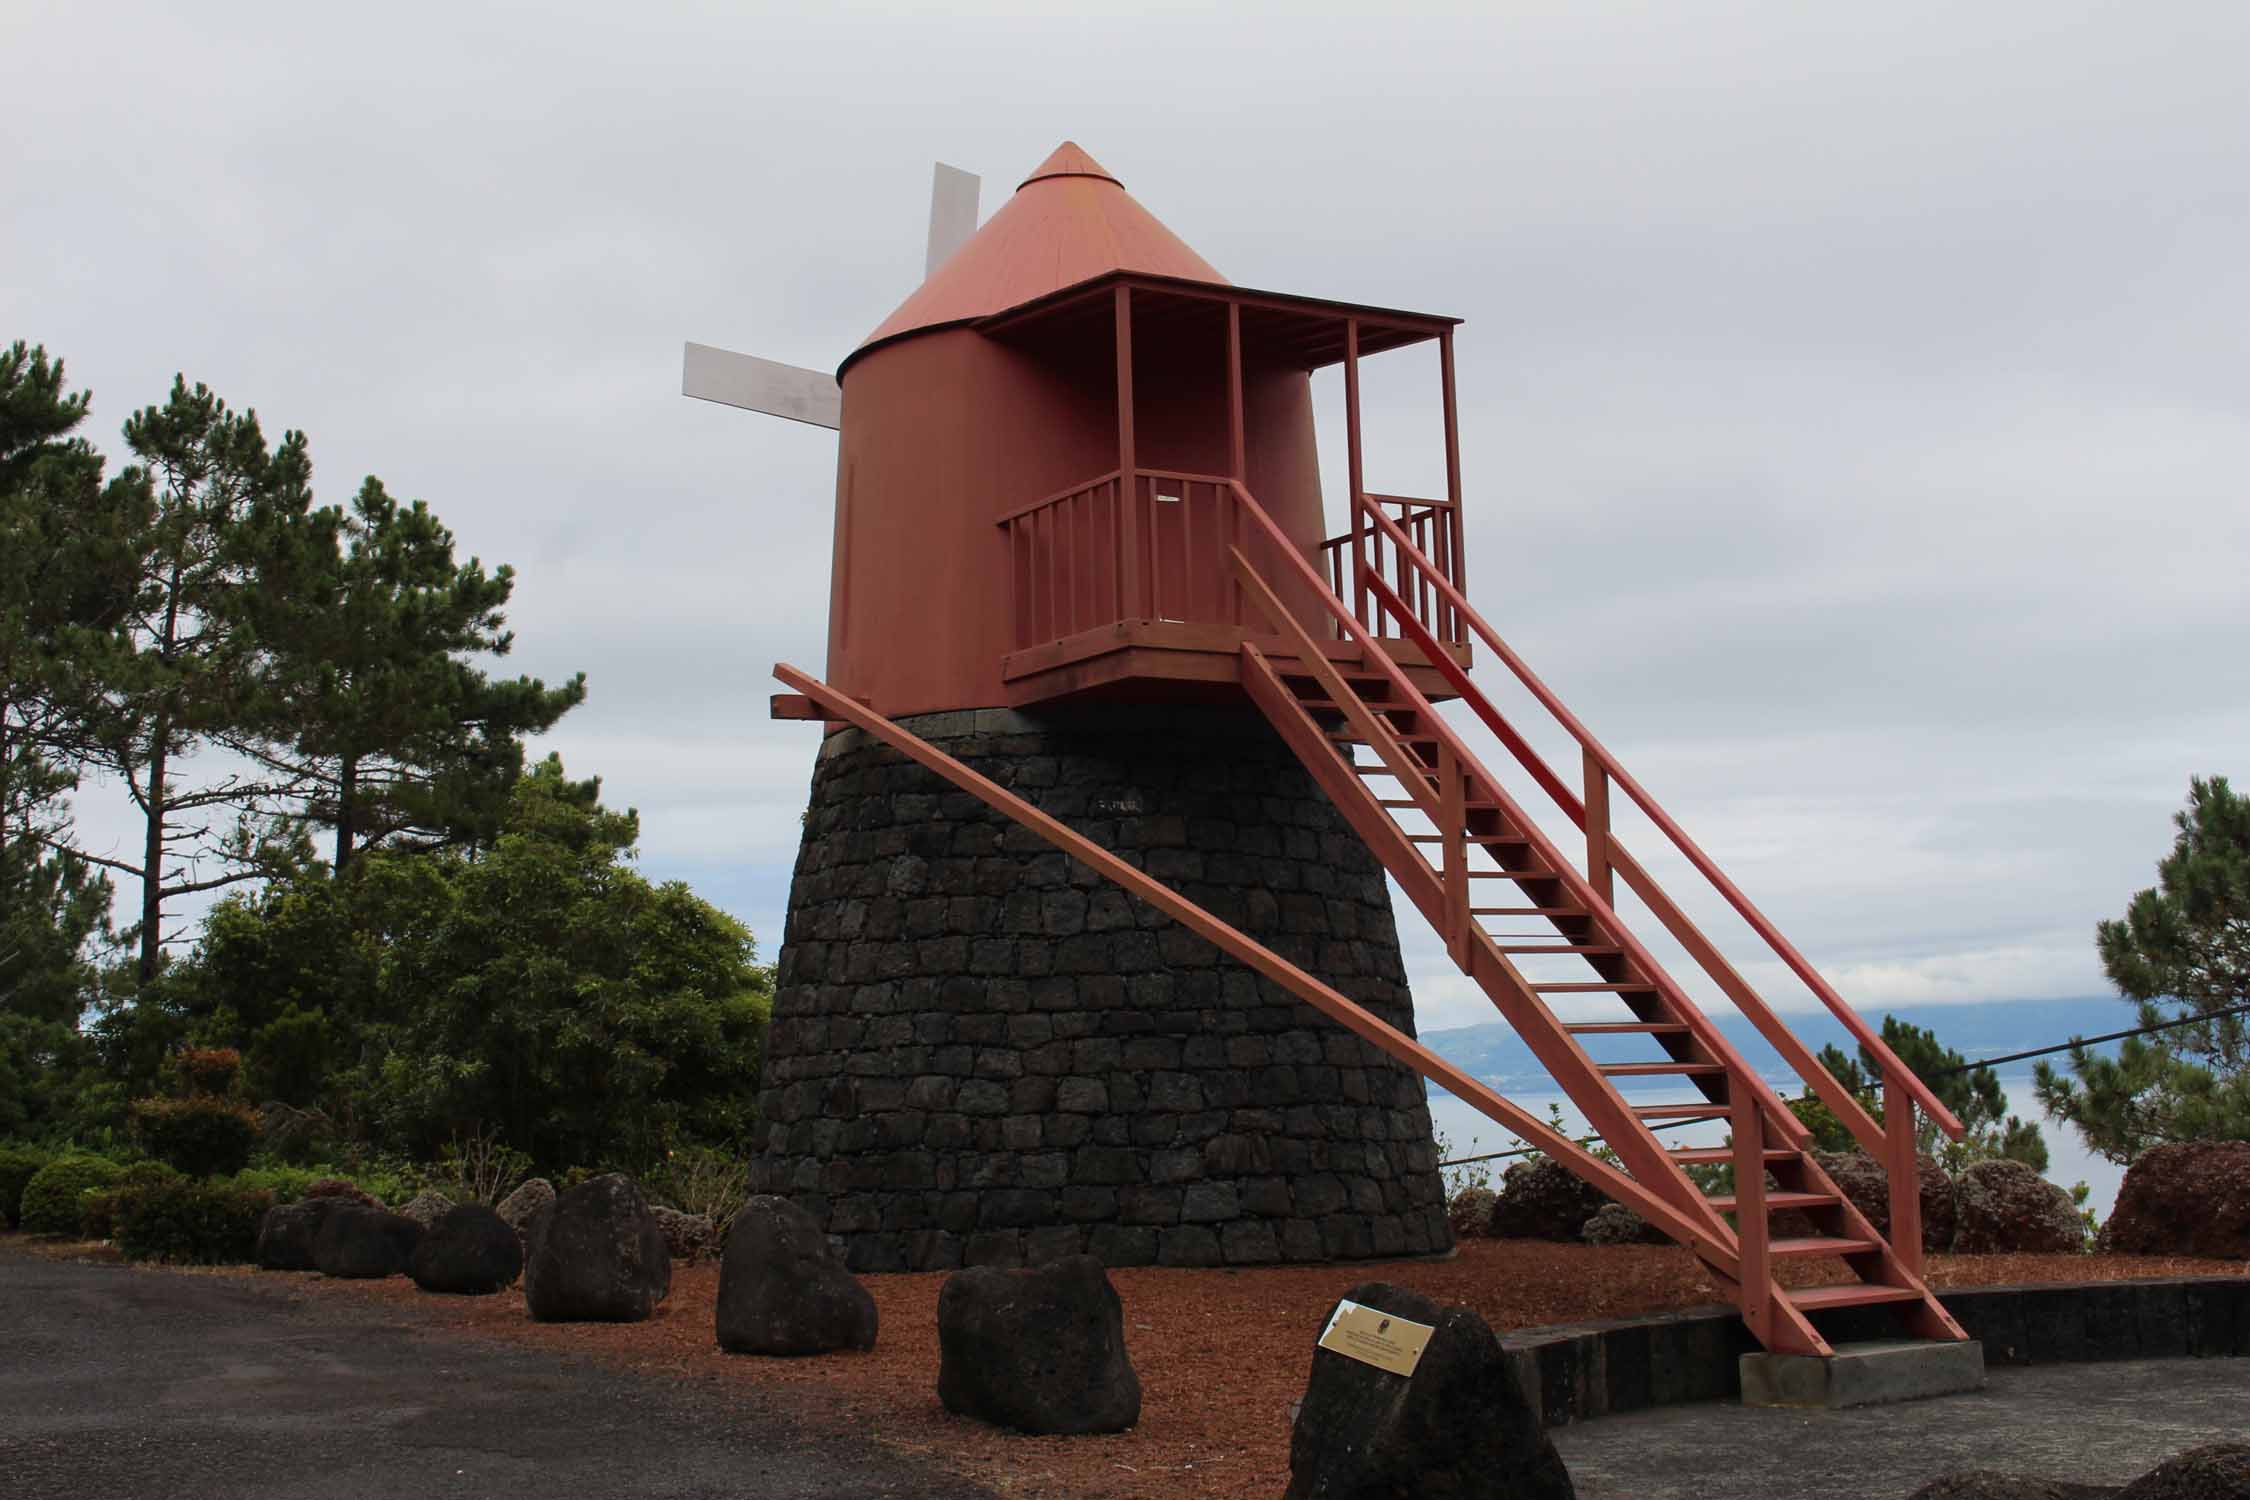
(793,392)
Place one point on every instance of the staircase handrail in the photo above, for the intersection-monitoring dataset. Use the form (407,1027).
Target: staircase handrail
(1581,890)
(1895,1072)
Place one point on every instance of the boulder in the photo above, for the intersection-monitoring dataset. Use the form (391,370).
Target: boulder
(1470,1211)
(1867,1184)
(688,1236)
(2191,1198)
(287,1233)
(426,1207)
(1989,1484)
(782,1289)
(2215,1471)
(1040,1350)
(2008,1209)
(596,1255)
(469,1250)
(520,1206)
(1540,1201)
(355,1241)
(1460,1425)
(1618,1225)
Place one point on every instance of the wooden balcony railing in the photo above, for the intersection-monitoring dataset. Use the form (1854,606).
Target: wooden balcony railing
(1149,546)
(1434,527)
(1154,546)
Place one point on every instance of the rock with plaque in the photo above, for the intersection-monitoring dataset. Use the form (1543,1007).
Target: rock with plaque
(1414,1397)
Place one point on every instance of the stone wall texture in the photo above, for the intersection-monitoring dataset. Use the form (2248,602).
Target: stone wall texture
(983,1053)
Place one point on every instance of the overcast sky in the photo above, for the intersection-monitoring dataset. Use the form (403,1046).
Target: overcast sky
(1853,397)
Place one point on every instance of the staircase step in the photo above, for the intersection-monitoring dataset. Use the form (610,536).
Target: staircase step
(1596,987)
(1470,838)
(1726,1203)
(1428,773)
(1553,948)
(1709,1107)
(1662,1069)
(1722,1156)
(1350,736)
(1850,1294)
(1527,911)
(1820,1244)
(1513,875)
(1620,1028)
(1410,802)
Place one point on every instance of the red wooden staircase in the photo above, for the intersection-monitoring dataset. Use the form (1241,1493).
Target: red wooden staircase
(1537,932)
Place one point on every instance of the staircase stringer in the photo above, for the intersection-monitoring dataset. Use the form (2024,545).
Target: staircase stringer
(1567,1062)
(1658,1210)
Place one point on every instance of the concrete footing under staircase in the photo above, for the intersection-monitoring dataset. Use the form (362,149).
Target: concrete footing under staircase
(1870,1374)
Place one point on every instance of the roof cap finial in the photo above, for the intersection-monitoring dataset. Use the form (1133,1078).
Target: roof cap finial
(1068,160)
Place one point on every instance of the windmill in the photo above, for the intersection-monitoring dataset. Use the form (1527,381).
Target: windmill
(793,392)
(1083,573)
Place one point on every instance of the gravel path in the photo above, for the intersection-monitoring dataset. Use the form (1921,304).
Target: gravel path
(119,1383)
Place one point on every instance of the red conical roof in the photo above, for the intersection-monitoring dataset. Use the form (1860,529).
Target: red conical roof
(1069,222)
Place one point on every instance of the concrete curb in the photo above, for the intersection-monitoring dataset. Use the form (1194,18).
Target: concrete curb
(1576,1372)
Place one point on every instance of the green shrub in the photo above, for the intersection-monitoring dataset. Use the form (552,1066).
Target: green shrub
(53,1201)
(97,1209)
(18,1165)
(201,1135)
(189,1222)
(208,1070)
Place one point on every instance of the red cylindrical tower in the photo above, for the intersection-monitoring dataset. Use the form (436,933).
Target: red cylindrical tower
(976,1055)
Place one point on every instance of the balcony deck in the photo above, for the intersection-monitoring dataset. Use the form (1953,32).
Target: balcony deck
(1169,659)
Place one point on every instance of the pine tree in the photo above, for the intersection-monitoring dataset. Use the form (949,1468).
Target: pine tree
(2180,953)
(1973,1094)
(58,587)
(179,677)
(371,700)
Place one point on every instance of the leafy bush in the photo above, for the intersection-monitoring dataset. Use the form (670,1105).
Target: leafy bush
(190,1223)
(700,1180)
(97,1209)
(18,1165)
(53,1201)
(208,1070)
(201,1135)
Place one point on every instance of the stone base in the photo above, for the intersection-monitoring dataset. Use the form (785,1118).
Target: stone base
(1872,1374)
(982,1053)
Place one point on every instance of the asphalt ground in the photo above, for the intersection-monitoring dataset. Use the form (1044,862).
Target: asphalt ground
(120,1383)
(2096,1424)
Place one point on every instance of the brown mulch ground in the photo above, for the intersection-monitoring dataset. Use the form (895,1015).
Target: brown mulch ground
(1222,1355)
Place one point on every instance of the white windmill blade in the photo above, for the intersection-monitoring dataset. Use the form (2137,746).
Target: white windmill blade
(953,212)
(762,385)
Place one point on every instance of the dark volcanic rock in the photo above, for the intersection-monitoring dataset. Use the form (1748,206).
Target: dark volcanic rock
(596,1255)
(1540,1201)
(470,1250)
(2192,1198)
(520,1207)
(1458,1426)
(287,1233)
(426,1207)
(2215,1471)
(687,1236)
(1470,1211)
(1989,1484)
(783,1291)
(1039,1351)
(1865,1182)
(2008,1209)
(363,1242)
